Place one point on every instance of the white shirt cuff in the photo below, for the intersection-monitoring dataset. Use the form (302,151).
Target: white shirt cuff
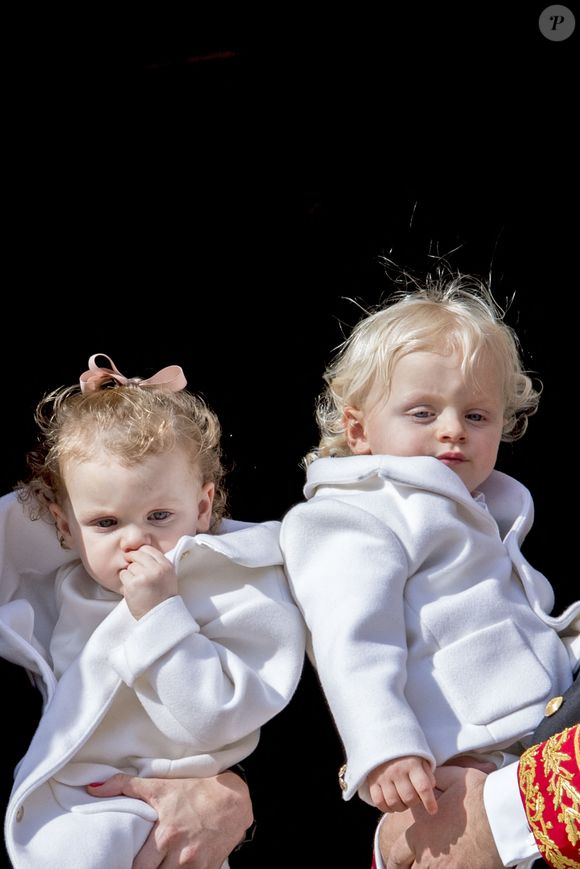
(507,816)
(377,851)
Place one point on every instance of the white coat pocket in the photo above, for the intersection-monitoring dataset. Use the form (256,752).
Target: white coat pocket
(469,674)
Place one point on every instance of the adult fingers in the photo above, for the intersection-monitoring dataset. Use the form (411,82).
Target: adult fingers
(149,857)
(447,776)
(472,762)
(121,784)
(400,854)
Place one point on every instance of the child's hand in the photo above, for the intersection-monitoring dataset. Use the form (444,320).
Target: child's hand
(403,782)
(148,580)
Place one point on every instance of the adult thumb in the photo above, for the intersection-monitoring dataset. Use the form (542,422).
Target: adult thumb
(445,776)
(463,777)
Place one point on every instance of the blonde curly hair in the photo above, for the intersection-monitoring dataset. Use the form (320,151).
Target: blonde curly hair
(128,421)
(446,314)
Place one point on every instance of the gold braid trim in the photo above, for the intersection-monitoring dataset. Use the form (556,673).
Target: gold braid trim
(564,804)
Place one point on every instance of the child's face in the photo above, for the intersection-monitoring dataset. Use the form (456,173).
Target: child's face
(433,410)
(113,509)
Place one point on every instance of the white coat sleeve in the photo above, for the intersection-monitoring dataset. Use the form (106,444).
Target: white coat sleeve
(29,559)
(28,549)
(348,571)
(212,683)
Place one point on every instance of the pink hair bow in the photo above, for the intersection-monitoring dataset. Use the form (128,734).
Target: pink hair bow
(171,378)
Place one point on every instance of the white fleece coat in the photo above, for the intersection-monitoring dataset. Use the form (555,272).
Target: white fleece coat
(429,630)
(182,692)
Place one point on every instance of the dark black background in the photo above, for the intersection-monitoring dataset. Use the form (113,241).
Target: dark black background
(216,203)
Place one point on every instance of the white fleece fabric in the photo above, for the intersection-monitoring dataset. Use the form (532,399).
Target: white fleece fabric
(181,692)
(429,630)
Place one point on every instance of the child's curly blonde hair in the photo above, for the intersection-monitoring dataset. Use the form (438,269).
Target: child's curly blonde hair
(129,422)
(446,314)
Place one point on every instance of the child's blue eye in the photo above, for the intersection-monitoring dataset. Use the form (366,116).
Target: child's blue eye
(159,515)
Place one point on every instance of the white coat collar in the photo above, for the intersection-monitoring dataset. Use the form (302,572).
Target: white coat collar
(508,501)
(245,543)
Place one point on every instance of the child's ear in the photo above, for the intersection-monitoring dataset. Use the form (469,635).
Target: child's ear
(204,507)
(355,431)
(62,525)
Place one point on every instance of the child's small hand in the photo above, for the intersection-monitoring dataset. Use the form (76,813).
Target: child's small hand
(148,580)
(403,782)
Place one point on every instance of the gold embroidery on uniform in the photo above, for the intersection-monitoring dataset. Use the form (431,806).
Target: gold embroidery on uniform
(565,796)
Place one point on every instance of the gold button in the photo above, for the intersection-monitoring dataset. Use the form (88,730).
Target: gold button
(341,775)
(553,705)
(185,555)
(20,813)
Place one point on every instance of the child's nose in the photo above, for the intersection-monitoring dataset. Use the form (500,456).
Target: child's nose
(133,537)
(451,427)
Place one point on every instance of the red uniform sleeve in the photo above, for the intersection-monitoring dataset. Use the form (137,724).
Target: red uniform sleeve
(550,789)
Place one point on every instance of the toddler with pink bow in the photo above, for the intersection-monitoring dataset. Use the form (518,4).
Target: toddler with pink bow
(167,636)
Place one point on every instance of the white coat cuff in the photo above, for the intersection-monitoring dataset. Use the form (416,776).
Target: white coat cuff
(153,636)
(507,816)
